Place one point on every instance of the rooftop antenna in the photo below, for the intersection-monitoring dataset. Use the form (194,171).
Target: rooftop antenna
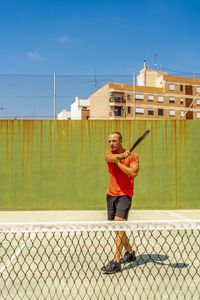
(95,81)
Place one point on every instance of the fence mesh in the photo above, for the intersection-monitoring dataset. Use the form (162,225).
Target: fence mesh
(26,96)
(32,96)
(64,260)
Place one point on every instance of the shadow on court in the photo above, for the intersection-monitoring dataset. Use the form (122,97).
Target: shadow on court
(158,259)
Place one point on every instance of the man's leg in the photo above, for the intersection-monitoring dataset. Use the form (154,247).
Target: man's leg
(121,240)
(112,266)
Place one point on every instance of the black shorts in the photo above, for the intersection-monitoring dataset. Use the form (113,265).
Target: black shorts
(118,206)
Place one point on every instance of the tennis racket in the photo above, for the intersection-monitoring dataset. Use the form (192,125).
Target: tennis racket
(136,143)
(139,140)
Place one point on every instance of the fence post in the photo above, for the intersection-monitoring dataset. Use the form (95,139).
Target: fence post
(54,96)
(134,95)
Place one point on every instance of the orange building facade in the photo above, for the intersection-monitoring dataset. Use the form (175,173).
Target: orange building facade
(156,96)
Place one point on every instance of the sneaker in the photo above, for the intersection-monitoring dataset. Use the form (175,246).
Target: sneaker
(108,265)
(128,258)
(112,267)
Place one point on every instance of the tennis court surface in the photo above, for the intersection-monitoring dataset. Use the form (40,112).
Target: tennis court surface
(63,260)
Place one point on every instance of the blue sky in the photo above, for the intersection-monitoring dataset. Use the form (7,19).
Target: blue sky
(40,37)
(111,37)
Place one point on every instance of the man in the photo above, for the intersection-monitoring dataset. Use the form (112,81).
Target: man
(123,167)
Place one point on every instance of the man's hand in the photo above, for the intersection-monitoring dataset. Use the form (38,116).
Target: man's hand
(116,157)
(123,155)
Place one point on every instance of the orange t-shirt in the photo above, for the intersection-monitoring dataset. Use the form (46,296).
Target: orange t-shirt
(119,183)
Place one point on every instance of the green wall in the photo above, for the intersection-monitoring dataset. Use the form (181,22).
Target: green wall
(57,165)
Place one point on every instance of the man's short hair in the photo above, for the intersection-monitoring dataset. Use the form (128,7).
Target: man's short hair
(119,134)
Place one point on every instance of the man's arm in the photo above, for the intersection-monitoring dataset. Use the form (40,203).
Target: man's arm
(110,157)
(130,171)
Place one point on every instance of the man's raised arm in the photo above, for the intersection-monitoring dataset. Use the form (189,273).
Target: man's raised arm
(110,157)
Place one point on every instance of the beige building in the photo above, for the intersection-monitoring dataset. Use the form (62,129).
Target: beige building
(156,96)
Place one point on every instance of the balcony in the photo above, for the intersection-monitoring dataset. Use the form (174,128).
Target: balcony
(117,112)
(117,100)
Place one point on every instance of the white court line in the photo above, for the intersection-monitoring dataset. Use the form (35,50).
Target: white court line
(9,262)
(174,214)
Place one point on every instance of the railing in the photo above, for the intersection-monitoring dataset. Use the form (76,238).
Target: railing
(117,100)
(117,114)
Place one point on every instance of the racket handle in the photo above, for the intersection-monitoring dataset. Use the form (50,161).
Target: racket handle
(120,158)
(123,157)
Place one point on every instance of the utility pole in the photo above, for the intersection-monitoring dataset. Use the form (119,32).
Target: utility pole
(134,95)
(54,96)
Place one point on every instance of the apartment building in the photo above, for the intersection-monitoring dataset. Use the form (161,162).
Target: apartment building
(156,96)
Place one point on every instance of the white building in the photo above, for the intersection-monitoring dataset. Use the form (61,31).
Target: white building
(79,110)
(78,107)
(64,115)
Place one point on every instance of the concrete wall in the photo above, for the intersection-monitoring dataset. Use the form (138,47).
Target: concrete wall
(57,165)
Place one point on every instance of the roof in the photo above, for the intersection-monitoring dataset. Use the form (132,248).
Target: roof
(127,87)
(85,102)
(181,79)
(63,115)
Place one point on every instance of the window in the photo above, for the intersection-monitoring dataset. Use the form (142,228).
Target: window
(129,96)
(160,112)
(150,111)
(118,111)
(198,115)
(171,100)
(160,98)
(198,89)
(181,87)
(139,97)
(172,87)
(181,100)
(188,90)
(182,113)
(198,101)
(129,109)
(150,98)
(172,113)
(139,110)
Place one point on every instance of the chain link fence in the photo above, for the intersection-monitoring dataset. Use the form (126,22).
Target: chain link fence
(44,96)
(64,261)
